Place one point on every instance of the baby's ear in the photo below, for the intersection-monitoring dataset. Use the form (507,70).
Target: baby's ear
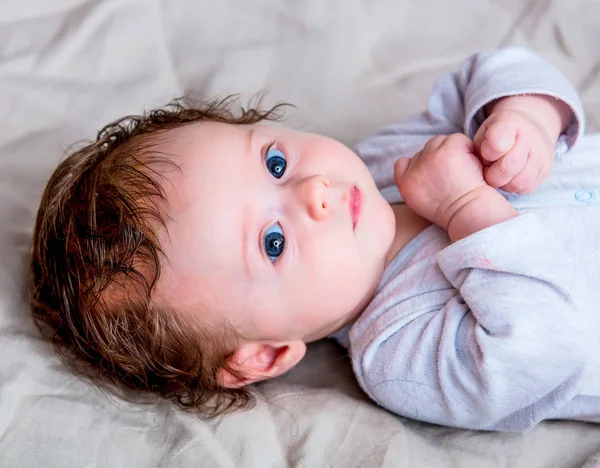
(253,362)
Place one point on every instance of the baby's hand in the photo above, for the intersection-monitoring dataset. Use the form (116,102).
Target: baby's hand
(516,151)
(441,178)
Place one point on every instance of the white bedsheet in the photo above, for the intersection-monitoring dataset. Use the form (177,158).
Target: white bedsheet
(69,66)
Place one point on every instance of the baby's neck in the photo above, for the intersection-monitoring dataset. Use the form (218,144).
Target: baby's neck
(408,225)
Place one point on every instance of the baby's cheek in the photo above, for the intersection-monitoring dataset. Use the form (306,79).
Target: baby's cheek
(346,279)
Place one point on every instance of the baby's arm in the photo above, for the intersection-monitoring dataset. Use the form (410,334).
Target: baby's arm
(492,332)
(457,104)
(500,338)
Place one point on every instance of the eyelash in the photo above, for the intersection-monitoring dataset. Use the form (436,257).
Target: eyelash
(268,147)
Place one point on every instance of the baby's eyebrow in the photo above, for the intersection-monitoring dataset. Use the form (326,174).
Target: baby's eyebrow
(250,143)
(250,159)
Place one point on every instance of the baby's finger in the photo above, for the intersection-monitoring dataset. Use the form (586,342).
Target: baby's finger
(478,138)
(401,166)
(460,140)
(434,143)
(529,179)
(499,139)
(506,168)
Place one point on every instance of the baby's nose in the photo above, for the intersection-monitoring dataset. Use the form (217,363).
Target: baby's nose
(313,193)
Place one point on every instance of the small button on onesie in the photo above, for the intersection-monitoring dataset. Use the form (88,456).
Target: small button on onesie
(584,196)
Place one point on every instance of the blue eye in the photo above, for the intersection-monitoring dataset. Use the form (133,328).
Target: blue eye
(274,242)
(275,161)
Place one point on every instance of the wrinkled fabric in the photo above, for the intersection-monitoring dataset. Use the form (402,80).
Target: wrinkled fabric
(68,67)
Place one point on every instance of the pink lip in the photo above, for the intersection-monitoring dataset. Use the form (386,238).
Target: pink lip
(354,203)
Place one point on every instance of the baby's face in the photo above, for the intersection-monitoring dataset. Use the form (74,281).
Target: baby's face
(282,233)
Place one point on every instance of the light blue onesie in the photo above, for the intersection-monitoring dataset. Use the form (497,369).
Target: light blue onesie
(501,329)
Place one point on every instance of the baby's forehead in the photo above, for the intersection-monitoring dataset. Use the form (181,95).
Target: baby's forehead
(204,194)
(208,131)
(188,146)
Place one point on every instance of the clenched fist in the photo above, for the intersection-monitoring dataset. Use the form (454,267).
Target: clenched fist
(437,180)
(517,152)
(444,183)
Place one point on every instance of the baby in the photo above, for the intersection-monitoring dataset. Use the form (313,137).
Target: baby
(194,251)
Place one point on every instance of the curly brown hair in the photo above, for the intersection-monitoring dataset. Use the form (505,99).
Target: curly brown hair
(96,262)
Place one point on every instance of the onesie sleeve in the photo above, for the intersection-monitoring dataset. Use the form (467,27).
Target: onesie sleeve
(456,105)
(481,338)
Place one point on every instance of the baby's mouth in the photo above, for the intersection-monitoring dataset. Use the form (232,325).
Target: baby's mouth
(355,205)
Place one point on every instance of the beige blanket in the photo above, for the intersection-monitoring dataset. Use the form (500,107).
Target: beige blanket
(69,66)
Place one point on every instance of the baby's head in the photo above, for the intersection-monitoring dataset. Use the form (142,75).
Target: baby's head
(191,251)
